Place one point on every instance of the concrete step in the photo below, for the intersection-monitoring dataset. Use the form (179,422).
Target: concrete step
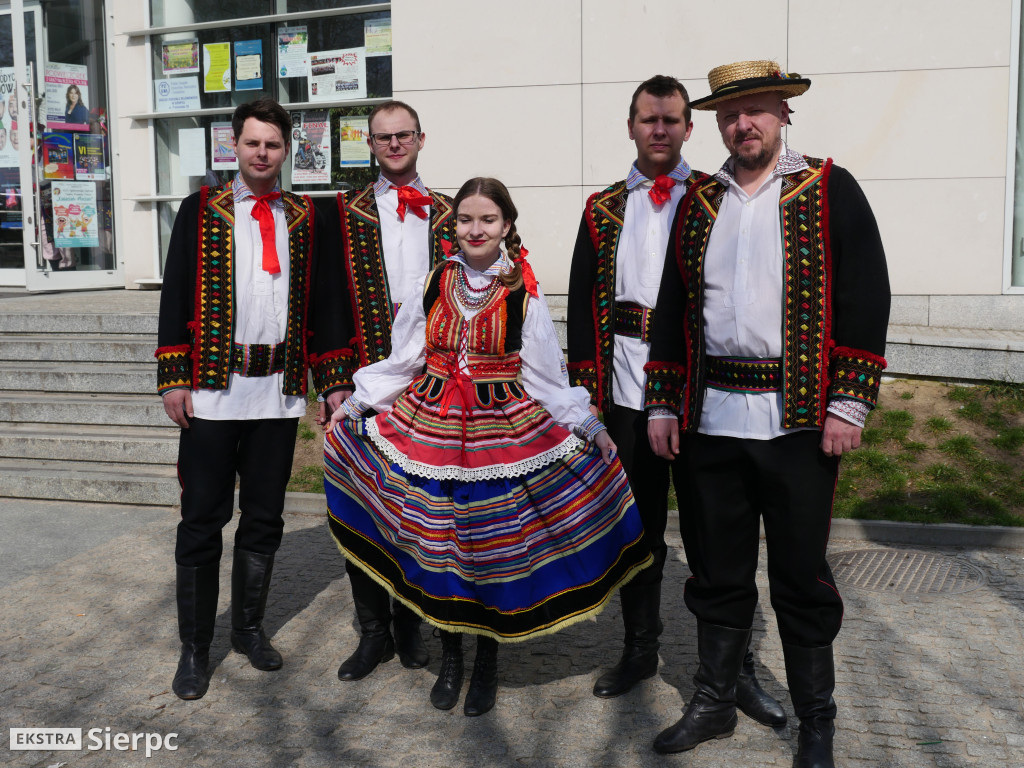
(65,323)
(137,378)
(85,481)
(89,443)
(88,348)
(83,408)
(955,353)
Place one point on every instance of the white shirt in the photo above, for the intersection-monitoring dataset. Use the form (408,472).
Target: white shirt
(639,262)
(260,317)
(405,244)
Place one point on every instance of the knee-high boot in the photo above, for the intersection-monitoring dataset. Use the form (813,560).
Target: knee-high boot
(373,613)
(812,678)
(752,699)
(483,685)
(445,693)
(412,652)
(641,605)
(250,584)
(711,713)
(196,591)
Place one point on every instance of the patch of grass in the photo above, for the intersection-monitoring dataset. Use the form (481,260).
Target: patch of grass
(906,396)
(938,425)
(914,447)
(1006,391)
(960,447)
(898,423)
(306,432)
(973,410)
(307,480)
(962,394)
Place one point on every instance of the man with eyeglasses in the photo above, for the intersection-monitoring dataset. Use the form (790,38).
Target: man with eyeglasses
(613,287)
(392,232)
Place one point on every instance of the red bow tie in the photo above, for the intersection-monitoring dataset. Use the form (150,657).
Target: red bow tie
(662,189)
(410,198)
(262,213)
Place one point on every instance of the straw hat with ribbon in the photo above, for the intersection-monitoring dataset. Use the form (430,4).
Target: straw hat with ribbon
(743,77)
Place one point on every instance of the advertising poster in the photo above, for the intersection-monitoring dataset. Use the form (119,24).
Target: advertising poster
(192,151)
(377,37)
(311,147)
(249,65)
(181,57)
(8,118)
(353,151)
(74,214)
(177,94)
(90,163)
(222,147)
(216,67)
(292,46)
(58,156)
(67,96)
(337,75)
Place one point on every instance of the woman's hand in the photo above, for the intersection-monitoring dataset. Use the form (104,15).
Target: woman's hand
(606,445)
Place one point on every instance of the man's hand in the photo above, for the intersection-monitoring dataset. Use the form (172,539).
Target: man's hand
(664,437)
(595,412)
(606,445)
(839,436)
(331,404)
(178,404)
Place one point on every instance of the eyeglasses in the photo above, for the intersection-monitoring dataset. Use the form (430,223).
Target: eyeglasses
(404,137)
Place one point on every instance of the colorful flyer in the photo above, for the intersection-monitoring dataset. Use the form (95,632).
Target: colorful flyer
(181,57)
(353,151)
(67,96)
(222,147)
(249,65)
(177,94)
(90,157)
(377,37)
(8,118)
(337,75)
(216,67)
(311,147)
(74,214)
(58,156)
(292,48)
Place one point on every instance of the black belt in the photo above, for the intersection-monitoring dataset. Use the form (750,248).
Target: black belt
(633,321)
(744,374)
(257,359)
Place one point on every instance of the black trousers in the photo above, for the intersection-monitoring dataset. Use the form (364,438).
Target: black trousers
(648,477)
(729,485)
(210,454)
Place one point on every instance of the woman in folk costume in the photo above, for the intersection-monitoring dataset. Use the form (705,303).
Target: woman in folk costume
(484,494)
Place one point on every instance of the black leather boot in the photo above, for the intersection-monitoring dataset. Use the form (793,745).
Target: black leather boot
(483,685)
(752,699)
(197,590)
(412,652)
(250,583)
(445,693)
(640,615)
(812,678)
(711,713)
(375,642)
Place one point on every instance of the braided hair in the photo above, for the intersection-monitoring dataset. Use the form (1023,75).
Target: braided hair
(498,194)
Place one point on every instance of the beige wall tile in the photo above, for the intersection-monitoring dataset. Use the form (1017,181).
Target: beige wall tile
(684,38)
(916,124)
(548,221)
(941,236)
(870,35)
(523,136)
(485,43)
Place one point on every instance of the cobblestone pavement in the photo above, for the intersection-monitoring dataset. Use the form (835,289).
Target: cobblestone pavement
(923,680)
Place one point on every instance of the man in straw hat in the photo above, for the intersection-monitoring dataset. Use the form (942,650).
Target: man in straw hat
(766,358)
(616,269)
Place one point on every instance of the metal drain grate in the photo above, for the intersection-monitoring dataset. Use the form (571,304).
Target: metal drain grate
(883,570)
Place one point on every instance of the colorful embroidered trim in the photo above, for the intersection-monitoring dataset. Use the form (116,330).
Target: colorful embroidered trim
(257,359)
(334,369)
(666,385)
(173,368)
(584,374)
(856,375)
(743,374)
(633,321)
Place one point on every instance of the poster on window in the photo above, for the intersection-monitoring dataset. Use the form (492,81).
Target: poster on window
(67,96)
(58,156)
(8,118)
(377,37)
(337,75)
(90,163)
(222,147)
(216,67)
(181,57)
(74,214)
(353,151)
(311,147)
(292,47)
(249,65)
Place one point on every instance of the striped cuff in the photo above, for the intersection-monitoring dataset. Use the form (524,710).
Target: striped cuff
(589,428)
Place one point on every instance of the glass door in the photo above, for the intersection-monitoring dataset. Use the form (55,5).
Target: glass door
(56,119)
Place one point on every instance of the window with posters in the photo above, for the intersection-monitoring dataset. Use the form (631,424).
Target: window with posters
(327,70)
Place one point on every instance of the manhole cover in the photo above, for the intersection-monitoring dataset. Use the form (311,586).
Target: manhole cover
(902,571)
